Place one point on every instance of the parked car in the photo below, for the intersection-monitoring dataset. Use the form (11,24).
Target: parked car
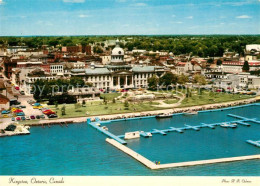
(20,114)
(37,107)
(22,106)
(27,118)
(42,116)
(17,110)
(5,116)
(38,117)
(48,112)
(23,118)
(22,92)
(13,119)
(32,117)
(5,112)
(18,119)
(52,116)
(17,88)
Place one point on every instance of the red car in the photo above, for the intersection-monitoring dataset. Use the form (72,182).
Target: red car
(48,112)
(32,117)
(18,110)
(18,119)
(17,88)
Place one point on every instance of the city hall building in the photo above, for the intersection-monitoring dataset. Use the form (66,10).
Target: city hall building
(118,74)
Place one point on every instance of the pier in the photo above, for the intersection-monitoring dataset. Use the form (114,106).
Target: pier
(255,143)
(243,123)
(197,127)
(175,129)
(109,134)
(144,134)
(153,166)
(207,125)
(156,131)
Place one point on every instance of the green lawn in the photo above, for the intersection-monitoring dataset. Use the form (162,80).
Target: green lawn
(171,101)
(110,96)
(211,98)
(99,108)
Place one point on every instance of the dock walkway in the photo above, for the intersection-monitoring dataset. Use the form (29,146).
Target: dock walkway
(153,166)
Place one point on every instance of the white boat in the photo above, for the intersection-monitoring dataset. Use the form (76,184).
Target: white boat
(165,115)
(104,127)
(226,125)
(132,135)
(149,134)
(190,113)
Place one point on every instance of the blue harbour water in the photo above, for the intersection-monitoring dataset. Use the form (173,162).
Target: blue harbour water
(81,150)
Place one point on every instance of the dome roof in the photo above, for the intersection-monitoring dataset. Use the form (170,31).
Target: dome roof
(117,51)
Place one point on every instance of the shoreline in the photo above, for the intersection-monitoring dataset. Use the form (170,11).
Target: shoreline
(146,113)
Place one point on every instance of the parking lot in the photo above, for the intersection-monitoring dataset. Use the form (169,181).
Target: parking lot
(28,111)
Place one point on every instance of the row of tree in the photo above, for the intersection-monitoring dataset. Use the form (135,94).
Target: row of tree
(212,45)
(56,91)
(169,79)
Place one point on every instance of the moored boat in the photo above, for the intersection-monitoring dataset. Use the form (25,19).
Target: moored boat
(227,125)
(165,115)
(190,113)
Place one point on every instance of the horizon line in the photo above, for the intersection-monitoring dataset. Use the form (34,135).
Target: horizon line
(92,35)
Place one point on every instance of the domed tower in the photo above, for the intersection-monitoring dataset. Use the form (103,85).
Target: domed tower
(117,55)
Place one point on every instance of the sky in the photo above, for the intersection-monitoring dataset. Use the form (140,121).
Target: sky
(128,17)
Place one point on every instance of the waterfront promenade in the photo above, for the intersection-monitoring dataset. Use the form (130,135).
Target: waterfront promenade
(140,114)
(148,113)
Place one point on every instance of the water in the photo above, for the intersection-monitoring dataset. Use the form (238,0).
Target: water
(81,150)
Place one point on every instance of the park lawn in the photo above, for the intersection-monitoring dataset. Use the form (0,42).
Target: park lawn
(110,96)
(99,108)
(171,101)
(207,98)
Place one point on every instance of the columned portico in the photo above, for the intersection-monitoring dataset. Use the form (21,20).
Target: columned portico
(122,79)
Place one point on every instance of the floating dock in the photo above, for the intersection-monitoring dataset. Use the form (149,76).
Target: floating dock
(243,123)
(207,125)
(175,129)
(255,143)
(244,118)
(156,131)
(144,134)
(153,166)
(197,128)
(238,117)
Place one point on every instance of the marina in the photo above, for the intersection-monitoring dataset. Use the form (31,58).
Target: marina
(88,141)
(224,124)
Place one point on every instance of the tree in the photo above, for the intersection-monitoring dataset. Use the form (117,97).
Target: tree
(168,79)
(182,79)
(246,66)
(126,104)
(114,100)
(77,82)
(199,79)
(219,62)
(153,82)
(56,105)
(63,110)
(210,60)
(83,103)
